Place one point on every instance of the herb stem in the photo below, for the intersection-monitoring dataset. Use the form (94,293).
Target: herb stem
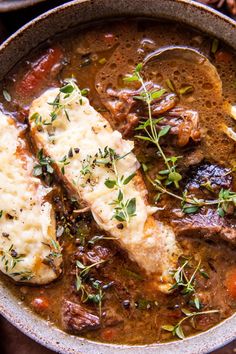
(193,314)
(153,136)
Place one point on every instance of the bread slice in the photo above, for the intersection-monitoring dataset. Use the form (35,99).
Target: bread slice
(29,251)
(69,129)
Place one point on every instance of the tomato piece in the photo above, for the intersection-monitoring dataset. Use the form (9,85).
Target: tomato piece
(223,57)
(40,303)
(33,79)
(230,283)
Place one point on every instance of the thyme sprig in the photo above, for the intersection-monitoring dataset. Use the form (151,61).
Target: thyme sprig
(10,258)
(24,275)
(67,93)
(81,272)
(149,127)
(58,106)
(87,165)
(55,253)
(44,165)
(64,162)
(187,284)
(182,281)
(177,330)
(191,204)
(124,209)
(98,238)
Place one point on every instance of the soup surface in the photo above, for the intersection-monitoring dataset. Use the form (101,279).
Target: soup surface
(187,160)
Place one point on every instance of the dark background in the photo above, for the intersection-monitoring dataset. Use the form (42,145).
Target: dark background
(11,340)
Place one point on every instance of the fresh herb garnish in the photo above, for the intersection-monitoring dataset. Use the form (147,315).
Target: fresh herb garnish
(44,166)
(64,162)
(97,238)
(192,204)
(129,273)
(11,258)
(81,273)
(55,253)
(214,45)
(144,304)
(6,95)
(55,249)
(1,213)
(37,119)
(225,198)
(150,129)
(182,281)
(184,90)
(67,93)
(177,329)
(86,166)
(102,61)
(170,85)
(24,275)
(124,209)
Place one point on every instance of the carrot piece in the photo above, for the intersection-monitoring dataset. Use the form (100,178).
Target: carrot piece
(32,80)
(230,283)
(108,334)
(40,303)
(223,57)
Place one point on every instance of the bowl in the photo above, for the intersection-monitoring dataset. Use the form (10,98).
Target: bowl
(46,26)
(11,5)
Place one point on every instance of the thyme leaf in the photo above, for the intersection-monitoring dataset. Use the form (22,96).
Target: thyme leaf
(6,95)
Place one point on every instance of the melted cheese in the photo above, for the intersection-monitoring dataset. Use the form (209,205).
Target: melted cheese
(148,242)
(27,224)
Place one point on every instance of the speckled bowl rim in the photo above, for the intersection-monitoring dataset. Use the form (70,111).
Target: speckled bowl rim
(12,5)
(12,50)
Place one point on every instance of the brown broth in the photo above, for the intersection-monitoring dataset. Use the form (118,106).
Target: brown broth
(110,59)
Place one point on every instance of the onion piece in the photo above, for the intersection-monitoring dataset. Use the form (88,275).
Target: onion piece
(229,132)
(233,111)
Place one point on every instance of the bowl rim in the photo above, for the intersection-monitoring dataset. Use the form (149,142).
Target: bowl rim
(42,331)
(7,6)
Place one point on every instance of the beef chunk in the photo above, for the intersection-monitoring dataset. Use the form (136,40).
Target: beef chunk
(206,224)
(207,180)
(127,112)
(99,253)
(76,319)
(96,254)
(184,125)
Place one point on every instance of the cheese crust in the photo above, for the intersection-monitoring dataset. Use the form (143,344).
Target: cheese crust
(27,223)
(148,242)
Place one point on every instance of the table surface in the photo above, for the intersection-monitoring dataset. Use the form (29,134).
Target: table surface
(13,341)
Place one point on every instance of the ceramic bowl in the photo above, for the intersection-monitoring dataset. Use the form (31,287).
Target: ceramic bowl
(60,20)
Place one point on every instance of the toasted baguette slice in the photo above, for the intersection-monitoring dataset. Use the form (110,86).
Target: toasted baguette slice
(79,130)
(27,223)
